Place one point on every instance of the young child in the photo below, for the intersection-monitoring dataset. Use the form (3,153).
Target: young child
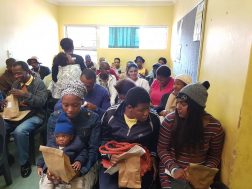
(72,147)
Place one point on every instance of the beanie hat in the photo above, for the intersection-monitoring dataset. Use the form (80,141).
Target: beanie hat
(184,78)
(63,125)
(196,92)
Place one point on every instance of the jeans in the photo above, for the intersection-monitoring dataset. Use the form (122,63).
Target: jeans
(21,135)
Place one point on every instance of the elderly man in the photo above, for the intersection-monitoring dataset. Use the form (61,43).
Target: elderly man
(42,71)
(32,95)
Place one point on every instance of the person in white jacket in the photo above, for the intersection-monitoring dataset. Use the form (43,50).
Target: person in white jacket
(132,74)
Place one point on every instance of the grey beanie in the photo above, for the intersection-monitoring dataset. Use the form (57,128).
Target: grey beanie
(197,92)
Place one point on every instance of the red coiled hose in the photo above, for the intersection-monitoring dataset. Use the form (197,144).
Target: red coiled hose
(117,148)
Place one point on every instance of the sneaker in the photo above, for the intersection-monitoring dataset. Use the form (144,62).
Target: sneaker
(26,170)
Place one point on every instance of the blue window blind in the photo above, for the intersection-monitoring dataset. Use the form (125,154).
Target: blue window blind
(123,37)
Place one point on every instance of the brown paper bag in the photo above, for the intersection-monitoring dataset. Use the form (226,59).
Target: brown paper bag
(129,173)
(201,177)
(12,109)
(58,163)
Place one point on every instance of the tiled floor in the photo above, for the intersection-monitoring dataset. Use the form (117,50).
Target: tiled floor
(19,182)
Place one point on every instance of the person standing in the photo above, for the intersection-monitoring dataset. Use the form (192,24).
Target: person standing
(68,47)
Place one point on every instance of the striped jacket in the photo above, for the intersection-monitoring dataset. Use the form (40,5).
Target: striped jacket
(209,155)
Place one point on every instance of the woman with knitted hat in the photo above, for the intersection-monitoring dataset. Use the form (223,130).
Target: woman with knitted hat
(86,126)
(189,135)
(168,100)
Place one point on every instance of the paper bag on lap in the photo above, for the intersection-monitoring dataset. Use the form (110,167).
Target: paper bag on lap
(58,163)
(11,111)
(201,177)
(129,173)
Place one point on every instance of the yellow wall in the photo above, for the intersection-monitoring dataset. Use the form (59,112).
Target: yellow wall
(242,167)
(225,60)
(147,16)
(28,28)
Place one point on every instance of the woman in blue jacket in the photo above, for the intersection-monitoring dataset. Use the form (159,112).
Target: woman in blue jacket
(86,125)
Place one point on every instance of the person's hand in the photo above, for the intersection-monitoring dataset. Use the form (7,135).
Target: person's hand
(76,166)
(90,106)
(163,113)
(52,177)
(18,93)
(40,171)
(114,159)
(179,174)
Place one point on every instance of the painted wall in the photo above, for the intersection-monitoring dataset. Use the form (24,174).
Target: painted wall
(147,16)
(28,28)
(225,61)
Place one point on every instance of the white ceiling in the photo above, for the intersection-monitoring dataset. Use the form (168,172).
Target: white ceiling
(112,2)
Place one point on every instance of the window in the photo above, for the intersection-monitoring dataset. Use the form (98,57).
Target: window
(83,37)
(142,37)
(153,37)
(123,37)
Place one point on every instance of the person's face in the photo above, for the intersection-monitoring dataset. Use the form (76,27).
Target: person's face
(117,63)
(162,80)
(141,111)
(88,83)
(133,73)
(161,62)
(71,105)
(178,85)
(34,64)
(104,68)
(63,139)
(19,74)
(182,108)
(139,63)
(87,59)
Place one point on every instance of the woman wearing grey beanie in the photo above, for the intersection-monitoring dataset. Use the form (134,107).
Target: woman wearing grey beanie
(189,135)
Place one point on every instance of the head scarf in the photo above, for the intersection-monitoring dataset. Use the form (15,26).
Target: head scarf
(74,87)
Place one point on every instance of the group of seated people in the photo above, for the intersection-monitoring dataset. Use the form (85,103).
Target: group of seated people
(95,105)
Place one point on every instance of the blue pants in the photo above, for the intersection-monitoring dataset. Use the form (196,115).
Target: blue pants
(21,135)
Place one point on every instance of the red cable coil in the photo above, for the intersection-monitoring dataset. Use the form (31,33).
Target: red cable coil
(117,148)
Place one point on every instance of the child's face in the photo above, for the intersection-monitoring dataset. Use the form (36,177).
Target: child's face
(63,139)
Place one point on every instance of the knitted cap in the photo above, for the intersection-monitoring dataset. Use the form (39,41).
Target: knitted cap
(185,78)
(197,92)
(63,125)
